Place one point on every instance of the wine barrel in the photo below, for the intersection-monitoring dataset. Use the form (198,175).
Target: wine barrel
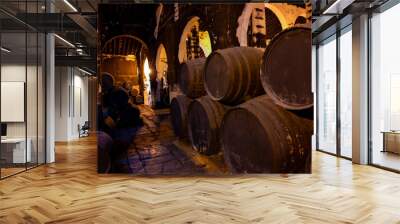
(286,69)
(191,78)
(232,75)
(204,121)
(261,137)
(179,109)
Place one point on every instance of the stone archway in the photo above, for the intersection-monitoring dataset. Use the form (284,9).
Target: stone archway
(161,61)
(161,95)
(204,39)
(286,14)
(124,55)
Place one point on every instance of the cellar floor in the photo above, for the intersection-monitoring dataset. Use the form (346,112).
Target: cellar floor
(156,150)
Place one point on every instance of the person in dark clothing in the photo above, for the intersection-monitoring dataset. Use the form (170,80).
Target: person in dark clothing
(122,112)
(126,121)
(106,99)
(118,118)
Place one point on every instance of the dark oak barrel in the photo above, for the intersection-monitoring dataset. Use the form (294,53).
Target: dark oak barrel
(261,137)
(232,75)
(204,121)
(191,78)
(179,110)
(286,69)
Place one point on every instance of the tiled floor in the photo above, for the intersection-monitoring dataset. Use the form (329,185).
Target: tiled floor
(153,151)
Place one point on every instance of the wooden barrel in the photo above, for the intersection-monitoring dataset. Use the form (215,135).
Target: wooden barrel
(191,78)
(286,69)
(179,110)
(204,121)
(261,137)
(232,75)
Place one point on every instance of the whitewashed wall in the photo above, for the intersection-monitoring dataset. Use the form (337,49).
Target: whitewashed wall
(71,102)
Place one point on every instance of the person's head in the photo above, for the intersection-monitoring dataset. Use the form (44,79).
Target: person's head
(120,98)
(124,85)
(134,91)
(107,81)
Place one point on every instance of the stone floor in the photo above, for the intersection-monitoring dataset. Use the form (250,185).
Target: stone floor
(153,151)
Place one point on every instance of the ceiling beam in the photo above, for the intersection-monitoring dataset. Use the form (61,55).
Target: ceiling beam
(81,61)
(86,26)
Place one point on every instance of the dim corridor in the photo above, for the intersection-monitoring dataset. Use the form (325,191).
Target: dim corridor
(153,151)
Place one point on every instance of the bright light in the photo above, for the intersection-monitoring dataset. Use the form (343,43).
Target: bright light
(205,42)
(130,57)
(146,81)
(70,5)
(5,50)
(65,41)
(147,69)
(147,72)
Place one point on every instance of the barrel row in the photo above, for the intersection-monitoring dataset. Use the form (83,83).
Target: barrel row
(230,76)
(234,75)
(257,136)
(261,133)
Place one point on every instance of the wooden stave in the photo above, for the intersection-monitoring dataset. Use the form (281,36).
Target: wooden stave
(179,109)
(243,85)
(264,75)
(297,127)
(213,113)
(191,78)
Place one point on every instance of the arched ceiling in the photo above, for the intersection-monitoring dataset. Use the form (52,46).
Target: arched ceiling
(133,19)
(123,45)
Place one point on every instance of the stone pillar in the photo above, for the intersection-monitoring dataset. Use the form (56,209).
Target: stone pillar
(360,90)
(50,98)
(50,91)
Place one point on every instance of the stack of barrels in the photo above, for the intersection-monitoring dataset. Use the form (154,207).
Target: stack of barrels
(253,105)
